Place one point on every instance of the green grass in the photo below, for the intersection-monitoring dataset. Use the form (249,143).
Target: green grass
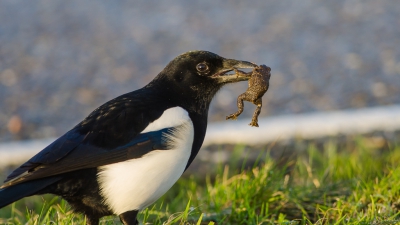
(353,183)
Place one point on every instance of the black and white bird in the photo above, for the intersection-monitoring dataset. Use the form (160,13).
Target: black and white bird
(128,152)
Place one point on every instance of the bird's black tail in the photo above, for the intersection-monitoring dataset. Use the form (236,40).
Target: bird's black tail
(13,193)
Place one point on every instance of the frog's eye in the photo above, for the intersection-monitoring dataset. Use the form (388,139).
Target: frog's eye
(202,67)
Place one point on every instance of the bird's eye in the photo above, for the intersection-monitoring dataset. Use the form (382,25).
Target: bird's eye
(201,67)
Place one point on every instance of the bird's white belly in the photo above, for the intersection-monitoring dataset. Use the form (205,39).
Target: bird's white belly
(137,183)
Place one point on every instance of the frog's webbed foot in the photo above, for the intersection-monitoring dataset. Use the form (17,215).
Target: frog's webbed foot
(232,117)
(254,123)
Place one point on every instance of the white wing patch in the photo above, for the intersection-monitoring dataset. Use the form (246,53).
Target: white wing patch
(137,183)
(172,117)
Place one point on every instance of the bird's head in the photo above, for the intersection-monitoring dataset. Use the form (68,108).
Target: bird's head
(200,74)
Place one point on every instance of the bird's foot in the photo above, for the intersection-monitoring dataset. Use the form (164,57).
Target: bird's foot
(129,217)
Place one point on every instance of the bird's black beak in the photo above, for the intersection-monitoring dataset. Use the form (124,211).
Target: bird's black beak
(230,65)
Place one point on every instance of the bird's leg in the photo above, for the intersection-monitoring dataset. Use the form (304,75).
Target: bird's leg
(129,217)
(240,107)
(92,220)
(254,120)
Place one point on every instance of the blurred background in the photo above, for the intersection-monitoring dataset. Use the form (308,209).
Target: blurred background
(59,60)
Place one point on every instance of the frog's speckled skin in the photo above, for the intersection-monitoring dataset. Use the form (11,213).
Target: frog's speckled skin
(258,85)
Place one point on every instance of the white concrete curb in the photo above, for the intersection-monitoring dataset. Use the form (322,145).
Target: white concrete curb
(15,153)
(309,126)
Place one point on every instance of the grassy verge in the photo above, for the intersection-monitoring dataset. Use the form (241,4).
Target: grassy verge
(356,183)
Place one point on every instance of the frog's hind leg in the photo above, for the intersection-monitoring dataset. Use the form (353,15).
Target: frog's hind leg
(240,99)
(254,120)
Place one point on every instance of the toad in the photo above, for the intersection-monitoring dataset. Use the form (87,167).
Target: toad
(258,85)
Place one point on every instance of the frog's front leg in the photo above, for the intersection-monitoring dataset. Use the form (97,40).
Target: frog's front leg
(240,73)
(254,120)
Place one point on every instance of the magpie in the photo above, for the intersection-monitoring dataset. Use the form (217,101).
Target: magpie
(129,151)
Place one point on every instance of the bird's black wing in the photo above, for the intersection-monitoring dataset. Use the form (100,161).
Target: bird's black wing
(108,135)
(65,155)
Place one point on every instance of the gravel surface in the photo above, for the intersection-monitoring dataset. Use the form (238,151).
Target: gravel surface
(59,60)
